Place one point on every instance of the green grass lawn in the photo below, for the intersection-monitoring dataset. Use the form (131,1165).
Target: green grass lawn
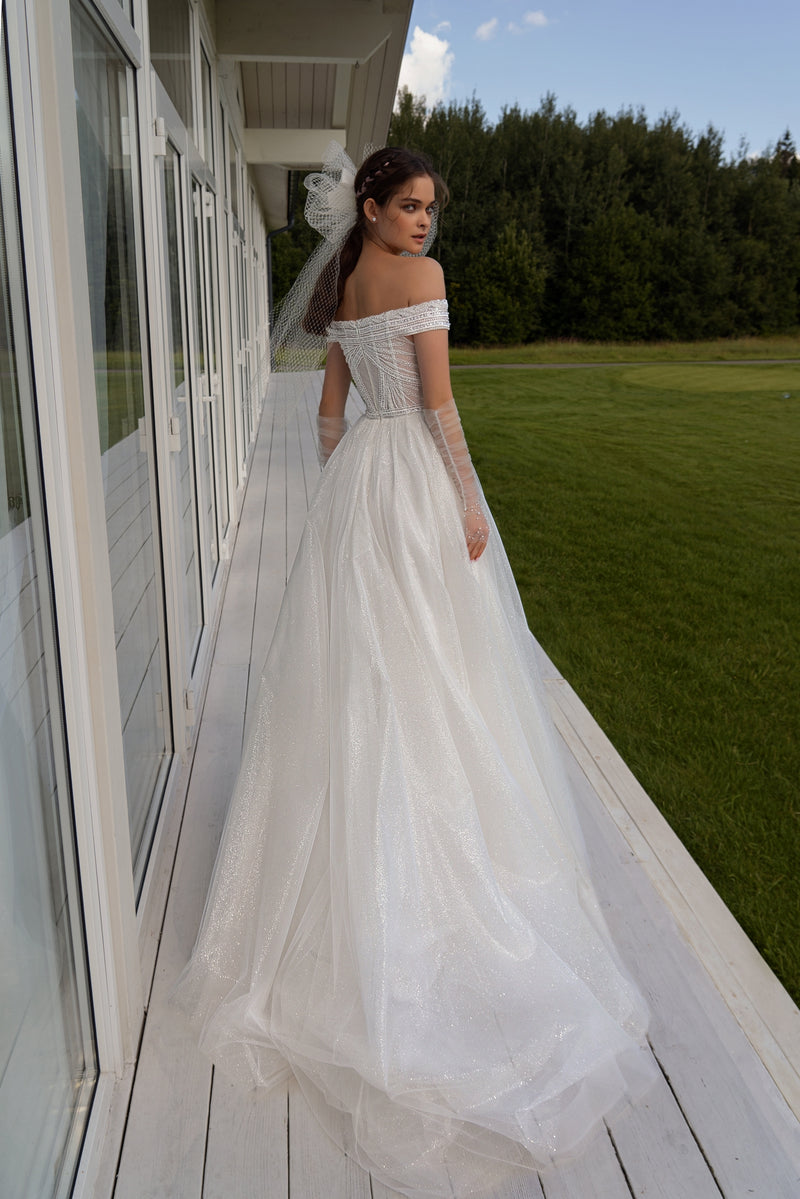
(723,350)
(652,517)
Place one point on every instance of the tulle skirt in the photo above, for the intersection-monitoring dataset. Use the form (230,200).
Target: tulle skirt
(400,913)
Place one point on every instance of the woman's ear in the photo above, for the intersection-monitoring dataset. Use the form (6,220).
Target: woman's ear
(370,209)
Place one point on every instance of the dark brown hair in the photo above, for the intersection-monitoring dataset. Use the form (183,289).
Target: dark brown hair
(378,178)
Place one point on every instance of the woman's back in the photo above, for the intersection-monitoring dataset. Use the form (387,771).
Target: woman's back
(384,282)
(382,357)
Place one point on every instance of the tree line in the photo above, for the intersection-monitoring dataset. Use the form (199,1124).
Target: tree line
(615,229)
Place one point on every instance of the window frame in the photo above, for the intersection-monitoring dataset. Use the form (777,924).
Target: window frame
(61,355)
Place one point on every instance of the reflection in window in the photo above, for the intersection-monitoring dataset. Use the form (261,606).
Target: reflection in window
(223,159)
(208,109)
(170,171)
(181,462)
(234,173)
(206,421)
(171,52)
(106,114)
(213,325)
(48,1063)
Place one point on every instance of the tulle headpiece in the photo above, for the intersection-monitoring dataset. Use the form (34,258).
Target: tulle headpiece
(331,209)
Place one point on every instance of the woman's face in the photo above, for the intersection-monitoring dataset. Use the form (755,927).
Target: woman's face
(402,225)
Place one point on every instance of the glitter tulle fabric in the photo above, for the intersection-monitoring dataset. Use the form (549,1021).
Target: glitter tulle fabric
(399,913)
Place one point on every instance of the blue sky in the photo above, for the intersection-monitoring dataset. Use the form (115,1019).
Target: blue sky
(724,62)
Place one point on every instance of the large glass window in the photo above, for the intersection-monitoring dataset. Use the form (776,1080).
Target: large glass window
(220,452)
(233,170)
(169,176)
(206,414)
(48,1064)
(208,108)
(239,339)
(222,151)
(171,52)
(106,113)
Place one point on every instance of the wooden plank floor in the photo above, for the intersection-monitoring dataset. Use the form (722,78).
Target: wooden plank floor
(717,1125)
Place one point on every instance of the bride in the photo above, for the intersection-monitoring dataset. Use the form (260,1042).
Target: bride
(400,914)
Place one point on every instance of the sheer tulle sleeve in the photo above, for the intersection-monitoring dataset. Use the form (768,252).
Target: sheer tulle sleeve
(445,426)
(430,320)
(330,431)
(441,416)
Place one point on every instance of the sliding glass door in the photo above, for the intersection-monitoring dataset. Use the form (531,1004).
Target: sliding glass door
(48,1059)
(205,375)
(170,181)
(107,137)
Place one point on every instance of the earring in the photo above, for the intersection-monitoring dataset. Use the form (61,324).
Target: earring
(374,218)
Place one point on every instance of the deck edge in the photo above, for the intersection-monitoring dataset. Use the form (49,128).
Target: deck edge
(759,1003)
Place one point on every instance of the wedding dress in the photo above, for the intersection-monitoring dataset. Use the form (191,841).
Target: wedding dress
(400,913)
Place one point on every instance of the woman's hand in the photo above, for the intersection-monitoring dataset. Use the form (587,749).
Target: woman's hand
(476,528)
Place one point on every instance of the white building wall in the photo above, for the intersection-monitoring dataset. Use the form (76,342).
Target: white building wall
(104,559)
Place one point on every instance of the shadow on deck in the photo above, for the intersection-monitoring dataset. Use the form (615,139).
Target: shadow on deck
(724,1120)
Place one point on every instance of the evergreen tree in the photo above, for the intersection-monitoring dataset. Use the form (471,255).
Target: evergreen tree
(613,229)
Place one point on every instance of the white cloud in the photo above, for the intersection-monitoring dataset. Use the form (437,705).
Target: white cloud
(426,67)
(534,19)
(443,27)
(487,30)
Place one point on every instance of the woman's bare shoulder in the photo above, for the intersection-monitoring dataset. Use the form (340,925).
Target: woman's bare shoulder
(425,280)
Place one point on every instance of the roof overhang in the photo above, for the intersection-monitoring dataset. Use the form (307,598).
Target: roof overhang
(310,71)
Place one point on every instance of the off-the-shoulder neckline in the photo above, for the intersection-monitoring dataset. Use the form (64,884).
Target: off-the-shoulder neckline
(358,320)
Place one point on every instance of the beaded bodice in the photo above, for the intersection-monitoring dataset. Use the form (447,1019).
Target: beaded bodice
(381,355)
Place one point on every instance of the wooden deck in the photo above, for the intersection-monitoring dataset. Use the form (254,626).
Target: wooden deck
(721,1122)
